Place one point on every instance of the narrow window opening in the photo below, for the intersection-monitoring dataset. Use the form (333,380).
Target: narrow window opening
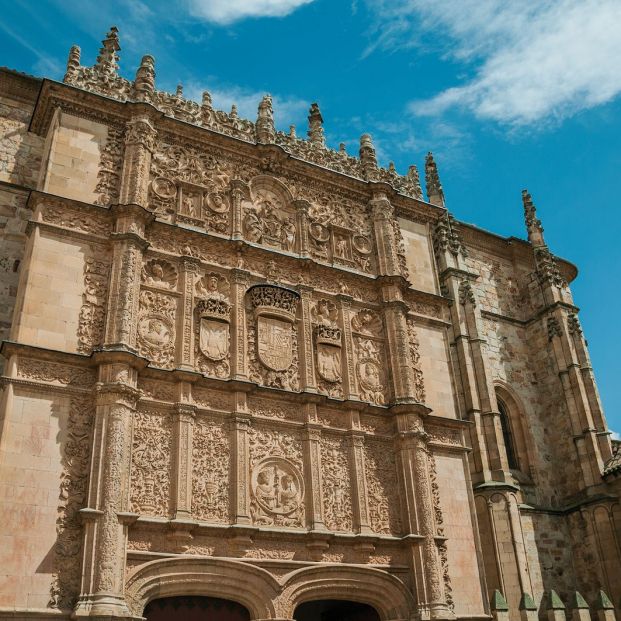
(507,436)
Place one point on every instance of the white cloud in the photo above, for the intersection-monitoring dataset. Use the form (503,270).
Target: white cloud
(228,11)
(531,61)
(614,435)
(287,109)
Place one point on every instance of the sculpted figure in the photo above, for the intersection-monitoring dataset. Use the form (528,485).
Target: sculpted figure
(265,492)
(288,494)
(208,287)
(288,233)
(254,229)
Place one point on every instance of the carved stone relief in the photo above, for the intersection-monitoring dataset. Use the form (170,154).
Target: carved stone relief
(211,456)
(52,372)
(156,328)
(75,460)
(328,348)
(268,217)
(382,487)
(414,351)
(160,274)
(212,336)
(108,177)
(190,186)
(272,337)
(151,463)
(277,486)
(335,469)
(370,356)
(157,389)
(93,310)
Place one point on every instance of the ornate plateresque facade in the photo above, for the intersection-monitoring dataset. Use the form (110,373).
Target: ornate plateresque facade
(240,364)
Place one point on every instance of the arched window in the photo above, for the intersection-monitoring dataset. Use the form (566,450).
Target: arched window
(507,435)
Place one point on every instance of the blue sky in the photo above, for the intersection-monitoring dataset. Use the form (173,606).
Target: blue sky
(507,95)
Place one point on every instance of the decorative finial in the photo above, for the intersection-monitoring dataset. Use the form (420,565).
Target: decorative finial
(207,113)
(315,126)
(533,224)
(414,179)
(233,114)
(367,156)
(108,59)
(73,63)
(391,168)
(435,193)
(144,85)
(292,131)
(206,101)
(342,148)
(179,91)
(265,131)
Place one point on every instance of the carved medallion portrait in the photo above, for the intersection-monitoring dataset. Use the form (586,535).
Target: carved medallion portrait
(278,492)
(156,331)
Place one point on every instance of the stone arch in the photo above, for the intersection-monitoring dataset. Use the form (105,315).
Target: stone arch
(523,443)
(273,185)
(366,585)
(246,584)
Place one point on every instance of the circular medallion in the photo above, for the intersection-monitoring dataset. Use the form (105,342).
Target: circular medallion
(164,188)
(369,374)
(217,202)
(362,244)
(319,232)
(155,331)
(277,486)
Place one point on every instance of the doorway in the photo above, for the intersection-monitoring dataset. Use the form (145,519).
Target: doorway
(195,608)
(335,610)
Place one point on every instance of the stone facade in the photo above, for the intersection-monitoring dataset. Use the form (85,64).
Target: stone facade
(240,364)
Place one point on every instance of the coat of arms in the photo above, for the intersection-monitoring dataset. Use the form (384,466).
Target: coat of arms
(274,342)
(214,338)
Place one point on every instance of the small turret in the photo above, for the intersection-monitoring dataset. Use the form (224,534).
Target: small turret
(265,131)
(533,224)
(315,126)
(435,193)
(108,59)
(368,158)
(73,63)
(414,178)
(144,85)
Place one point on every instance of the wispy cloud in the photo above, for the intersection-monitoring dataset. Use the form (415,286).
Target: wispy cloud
(614,435)
(228,11)
(529,61)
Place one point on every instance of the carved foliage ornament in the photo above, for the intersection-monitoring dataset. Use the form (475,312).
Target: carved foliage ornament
(156,327)
(327,343)
(369,349)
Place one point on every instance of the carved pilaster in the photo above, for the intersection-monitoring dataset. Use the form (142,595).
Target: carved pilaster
(312,461)
(385,242)
(239,284)
(109,494)
(360,496)
(139,144)
(185,344)
(418,506)
(302,208)
(307,366)
(238,189)
(404,387)
(182,460)
(241,467)
(122,317)
(349,379)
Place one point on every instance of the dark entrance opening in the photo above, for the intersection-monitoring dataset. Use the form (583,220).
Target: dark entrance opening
(335,610)
(195,609)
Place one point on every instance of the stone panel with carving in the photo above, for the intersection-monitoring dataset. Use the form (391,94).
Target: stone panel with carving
(156,328)
(160,274)
(382,486)
(335,471)
(92,315)
(211,457)
(370,355)
(151,463)
(276,475)
(328,348)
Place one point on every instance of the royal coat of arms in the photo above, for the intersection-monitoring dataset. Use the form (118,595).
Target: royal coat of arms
(274,342)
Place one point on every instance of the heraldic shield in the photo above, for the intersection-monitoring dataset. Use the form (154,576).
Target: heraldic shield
(214,338)
(275,342)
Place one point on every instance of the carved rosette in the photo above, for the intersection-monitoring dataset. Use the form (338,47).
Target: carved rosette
(381,475)
(212,334)
(276,482)
(191,187)
(370,355)
(211,460)
(156,328)
(272,337)
(151,463)
(91,320)
(336,484)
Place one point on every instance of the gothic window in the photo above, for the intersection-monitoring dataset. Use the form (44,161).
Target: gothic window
(507,436)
